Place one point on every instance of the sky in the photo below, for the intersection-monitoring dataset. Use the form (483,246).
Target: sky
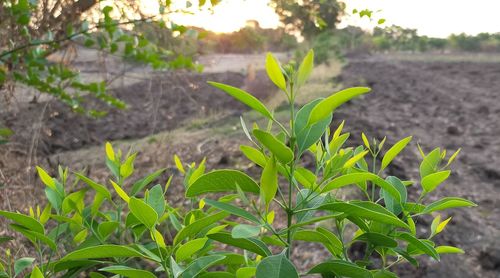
(436,18)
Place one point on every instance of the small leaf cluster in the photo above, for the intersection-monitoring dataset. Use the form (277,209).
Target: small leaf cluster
(226,227)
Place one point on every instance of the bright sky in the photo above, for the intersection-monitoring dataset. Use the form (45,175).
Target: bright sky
(437,18)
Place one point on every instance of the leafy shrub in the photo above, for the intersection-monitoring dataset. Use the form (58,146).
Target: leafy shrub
(134,231)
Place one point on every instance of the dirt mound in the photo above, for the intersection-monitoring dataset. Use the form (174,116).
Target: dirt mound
(163,102)
(446,104)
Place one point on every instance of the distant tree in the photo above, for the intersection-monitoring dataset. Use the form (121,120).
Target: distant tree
(308,17)
(437,43)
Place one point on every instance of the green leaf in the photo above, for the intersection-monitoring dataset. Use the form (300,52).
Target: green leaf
(186,250)
(355,178)
(328,105)
(216,274)
(244,97)
(277,266)
(448,250)
(107,228)
(273,70)
(430,163)
(419,244)
(103,251)
(278,148)
(392,205)
(128,271)
(446,203)
(200,264)
(23,220)
(432,181)
(305,68)
(140,184)
(366,210)
(377,239)
(335,242)
(34,236)
(198,225)
(245,231)
(22,264)
(222,181)
(269,181)
(156,199)
(394,151)
(144,212)
(254,155)
(308,135)
(233,210)
(96,186)
(341,269)
(250,244)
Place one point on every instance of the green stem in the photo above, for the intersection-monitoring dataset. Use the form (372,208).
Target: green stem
(289,211)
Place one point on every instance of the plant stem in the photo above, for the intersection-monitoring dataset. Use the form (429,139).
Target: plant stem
(289,211)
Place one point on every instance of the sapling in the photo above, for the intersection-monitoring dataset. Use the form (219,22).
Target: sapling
(228,228)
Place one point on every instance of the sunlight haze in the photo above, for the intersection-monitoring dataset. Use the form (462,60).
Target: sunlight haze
(430,17)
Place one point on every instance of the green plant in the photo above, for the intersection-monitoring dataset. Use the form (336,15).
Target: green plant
(139,232)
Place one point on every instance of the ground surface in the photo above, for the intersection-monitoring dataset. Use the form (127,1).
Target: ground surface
(446,102)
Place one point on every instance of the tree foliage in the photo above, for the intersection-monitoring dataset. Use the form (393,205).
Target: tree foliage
(33,31)
(308,17)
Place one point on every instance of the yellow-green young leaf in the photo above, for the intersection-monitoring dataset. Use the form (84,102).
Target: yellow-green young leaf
(329,104)
(338,130)
(178,164)
(186,250)
(442,225)
(270,217)
(222,181)
(245,231)
(435,224)
(254,155)
(36,273)
(46,179)
(127,168)
(365,140)
(278,148)
(273,70)
(45,215)
(430,163)
(394,151)
(157,237)
(110,153)
(244,97)
(452,157)
(128,271)
(305,68)
(120,191)
(337,143)
(246,272)
(413,227)
(144,212)
(305,177)
(80,237)
(432,181)
(349,163)
(269,181)
(448,250)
